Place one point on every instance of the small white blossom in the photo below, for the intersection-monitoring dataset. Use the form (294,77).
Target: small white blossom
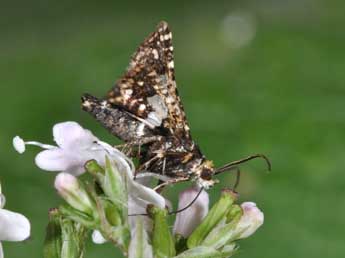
(187,220)
(13,226)
(76,145)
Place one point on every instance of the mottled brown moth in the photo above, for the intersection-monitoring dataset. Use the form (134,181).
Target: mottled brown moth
(145,111)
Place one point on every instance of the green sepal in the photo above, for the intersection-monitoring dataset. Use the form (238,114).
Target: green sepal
(74,237)
(94,168)
(219,210)
(229,250)
(120,236)
(114,186)
(65,238)
(233,213)
(53,239)
(201,252)
(223,233)
(112,213)
(162,239)
(180,243)
(78,216)
(112,183)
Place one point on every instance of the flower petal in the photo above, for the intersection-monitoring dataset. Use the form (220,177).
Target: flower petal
(146,194)
(137,191)
(138,207)
(72,135)
(1,251)
(52,160)
(187,220)
(69,161)
(139,245)
(13,226)
(18,144)
(2,200)
(98,238)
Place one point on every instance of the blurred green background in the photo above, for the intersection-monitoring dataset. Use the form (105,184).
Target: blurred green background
(254,76)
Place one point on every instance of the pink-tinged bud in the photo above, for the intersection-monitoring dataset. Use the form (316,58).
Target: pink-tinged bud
(74,194)
(66,184)
(250,221)
(187,220)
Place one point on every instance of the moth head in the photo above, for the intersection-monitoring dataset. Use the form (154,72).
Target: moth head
(205,174)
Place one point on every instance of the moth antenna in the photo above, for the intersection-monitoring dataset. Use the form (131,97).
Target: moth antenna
(238,177)
(233,164)
(177,211)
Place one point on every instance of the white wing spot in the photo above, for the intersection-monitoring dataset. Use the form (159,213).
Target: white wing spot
(128,94)
(171,64)
(142,107)
(140,129)
(169,99)
(155,53)
(104,104)
(167,36)
(160,110)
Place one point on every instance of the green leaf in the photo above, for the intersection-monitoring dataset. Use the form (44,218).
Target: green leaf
(162,239)
(219,211)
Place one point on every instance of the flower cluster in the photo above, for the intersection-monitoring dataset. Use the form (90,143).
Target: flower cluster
(127,213)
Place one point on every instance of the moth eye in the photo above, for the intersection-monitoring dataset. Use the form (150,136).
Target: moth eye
(206,174)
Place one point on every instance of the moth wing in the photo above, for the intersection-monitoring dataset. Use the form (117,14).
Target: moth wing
(148,89)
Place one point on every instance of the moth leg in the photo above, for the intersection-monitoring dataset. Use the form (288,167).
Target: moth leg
(164,164)
(160,187)
(149,162)
(145,140)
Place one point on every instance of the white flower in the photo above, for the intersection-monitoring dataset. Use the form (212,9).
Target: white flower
(13,226)
(187,220)
(250,221)
(76,145)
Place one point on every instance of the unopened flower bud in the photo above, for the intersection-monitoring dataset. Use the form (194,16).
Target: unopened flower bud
(187,220)
(250,221)
(73,193)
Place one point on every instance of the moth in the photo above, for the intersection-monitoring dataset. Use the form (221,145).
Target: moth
(144,110)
